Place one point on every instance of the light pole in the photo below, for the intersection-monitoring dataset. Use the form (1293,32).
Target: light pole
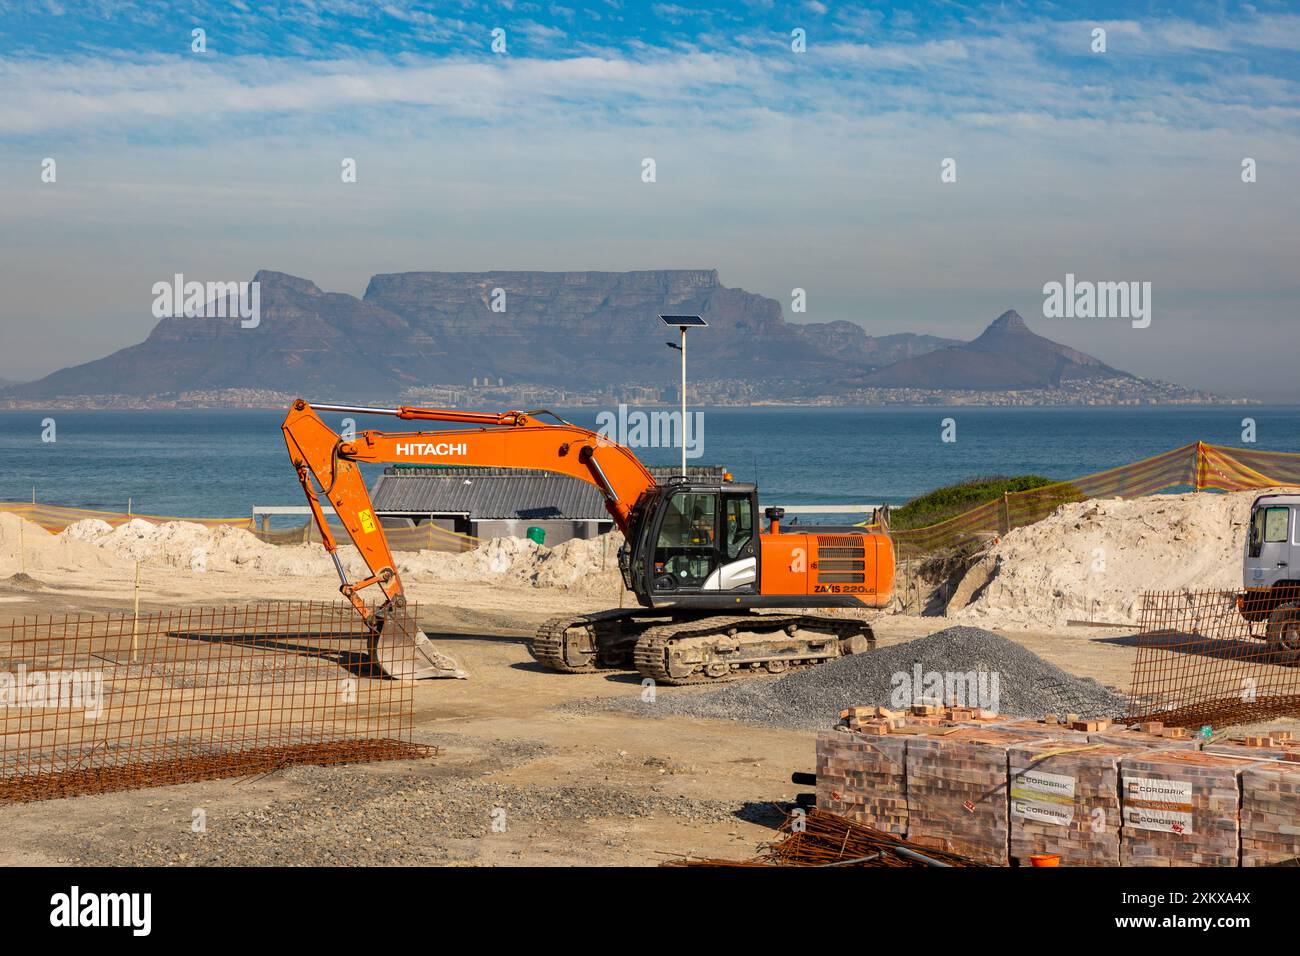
(683,322)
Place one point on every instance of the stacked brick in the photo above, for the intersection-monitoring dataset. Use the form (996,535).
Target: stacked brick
(957,791)
(863,778)
(999,790)
(1065,800)
(1181,808)
(862,767)
(1270,813)
(1275,745)
(1044,728)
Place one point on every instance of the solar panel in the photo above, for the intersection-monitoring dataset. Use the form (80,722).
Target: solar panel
(689,321)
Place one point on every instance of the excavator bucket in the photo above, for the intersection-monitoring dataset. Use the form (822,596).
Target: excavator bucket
(406,653)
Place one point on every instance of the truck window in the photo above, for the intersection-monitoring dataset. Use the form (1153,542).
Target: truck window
(1275,524)
(1266,525)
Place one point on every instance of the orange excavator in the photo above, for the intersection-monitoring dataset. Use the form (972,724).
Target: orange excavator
(718,597)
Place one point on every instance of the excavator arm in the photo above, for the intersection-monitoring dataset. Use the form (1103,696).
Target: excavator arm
(329,466)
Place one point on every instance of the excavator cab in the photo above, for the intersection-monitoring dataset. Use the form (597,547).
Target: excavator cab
(691,542)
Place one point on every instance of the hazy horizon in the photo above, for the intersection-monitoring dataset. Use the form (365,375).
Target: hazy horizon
(819,170)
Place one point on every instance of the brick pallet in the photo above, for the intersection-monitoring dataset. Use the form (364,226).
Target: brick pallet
(1065,799)
(1181,808)
(1270,813)
(974,784)
(957,791)
(862,777)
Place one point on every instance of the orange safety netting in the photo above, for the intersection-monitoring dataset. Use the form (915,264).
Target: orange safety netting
(1197,466)
(54,518)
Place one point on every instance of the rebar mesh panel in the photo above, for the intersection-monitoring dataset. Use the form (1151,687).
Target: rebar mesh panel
(1213,657)
(110,702)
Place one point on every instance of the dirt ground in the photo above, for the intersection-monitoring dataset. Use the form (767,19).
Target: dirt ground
(515,782)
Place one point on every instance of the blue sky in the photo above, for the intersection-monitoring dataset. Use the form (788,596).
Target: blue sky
(817,170)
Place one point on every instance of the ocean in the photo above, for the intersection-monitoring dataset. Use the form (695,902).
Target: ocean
(221,463)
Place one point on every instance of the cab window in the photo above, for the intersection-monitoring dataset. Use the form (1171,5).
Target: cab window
(688,521)
(1268,526)
(1275,524)
(686,551)
(738,527)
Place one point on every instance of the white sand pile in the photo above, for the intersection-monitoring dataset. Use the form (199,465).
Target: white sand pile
(43,553)
(575,565)
(585,566)
(1092,560)
(192,546)
(87,529)
(589,566)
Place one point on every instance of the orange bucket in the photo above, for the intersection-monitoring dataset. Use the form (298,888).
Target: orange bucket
(1045,859)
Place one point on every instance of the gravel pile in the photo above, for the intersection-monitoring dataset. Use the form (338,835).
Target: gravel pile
(1011,680)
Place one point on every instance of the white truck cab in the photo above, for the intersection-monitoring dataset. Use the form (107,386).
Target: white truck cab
(1273,541)
(1271,573)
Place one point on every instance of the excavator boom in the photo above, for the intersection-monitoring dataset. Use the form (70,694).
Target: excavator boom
(328,466)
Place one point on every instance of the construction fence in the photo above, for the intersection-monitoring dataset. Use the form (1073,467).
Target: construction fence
(425,537)
(1197,467)
(1202,661)
(90,704)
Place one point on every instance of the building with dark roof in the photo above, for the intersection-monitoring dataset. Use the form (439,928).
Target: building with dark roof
(497,502)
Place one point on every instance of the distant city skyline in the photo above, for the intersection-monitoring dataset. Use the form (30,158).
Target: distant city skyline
(820,170)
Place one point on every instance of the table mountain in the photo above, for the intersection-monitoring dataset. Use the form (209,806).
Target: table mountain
(579,330)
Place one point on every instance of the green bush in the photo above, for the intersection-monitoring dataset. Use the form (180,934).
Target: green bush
(948,502)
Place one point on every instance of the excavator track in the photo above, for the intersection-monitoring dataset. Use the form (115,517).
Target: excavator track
(722,648)
(583,643)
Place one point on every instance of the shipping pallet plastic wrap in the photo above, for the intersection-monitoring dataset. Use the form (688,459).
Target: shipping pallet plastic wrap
(1181,808)
(957,791)
(862,777)
(1065,800)
(1158,740)
(1270,813)
(1276,745)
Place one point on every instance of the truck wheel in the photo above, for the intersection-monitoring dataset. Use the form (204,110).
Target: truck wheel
(1283,633)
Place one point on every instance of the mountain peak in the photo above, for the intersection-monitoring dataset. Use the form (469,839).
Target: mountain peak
(1008,321)
(282,280)
(1006,355)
